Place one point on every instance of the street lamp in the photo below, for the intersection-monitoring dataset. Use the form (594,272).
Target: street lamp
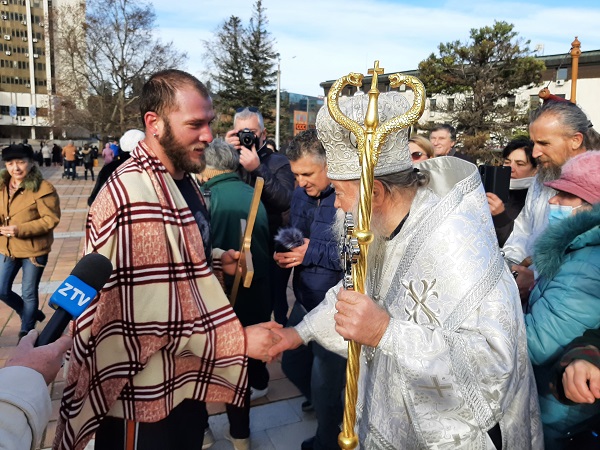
(278,103)
(278,100)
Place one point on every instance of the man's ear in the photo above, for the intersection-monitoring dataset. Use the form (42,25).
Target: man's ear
(378,194)
(263,137)
(576,141)
(153,123)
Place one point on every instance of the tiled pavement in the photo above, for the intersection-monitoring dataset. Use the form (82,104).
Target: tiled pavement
(277,421)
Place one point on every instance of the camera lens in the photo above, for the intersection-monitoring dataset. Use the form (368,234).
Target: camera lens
(247,138)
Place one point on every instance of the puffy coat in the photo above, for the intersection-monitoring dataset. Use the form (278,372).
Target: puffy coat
(35,209)
(564,303)
(320,268)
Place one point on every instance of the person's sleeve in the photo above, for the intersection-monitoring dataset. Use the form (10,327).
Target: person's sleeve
(569,306)
(322,254)
(515,247)
(48,206)
(278,187)
(319,325)
(25,408)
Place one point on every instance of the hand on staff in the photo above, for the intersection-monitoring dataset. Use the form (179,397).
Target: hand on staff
(293,258)
(581,381)
(260,339)
(496,205)
(229,261)
(359,318)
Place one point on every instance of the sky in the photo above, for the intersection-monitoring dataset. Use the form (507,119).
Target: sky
(320,40)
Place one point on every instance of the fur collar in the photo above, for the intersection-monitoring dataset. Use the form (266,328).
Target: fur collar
(32,181)
(558,239)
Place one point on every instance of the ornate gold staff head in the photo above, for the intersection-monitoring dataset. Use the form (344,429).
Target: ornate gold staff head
(364,136)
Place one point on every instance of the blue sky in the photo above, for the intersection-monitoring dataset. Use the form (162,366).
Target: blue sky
(325,39)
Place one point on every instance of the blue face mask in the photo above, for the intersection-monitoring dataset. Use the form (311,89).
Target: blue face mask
(559,212)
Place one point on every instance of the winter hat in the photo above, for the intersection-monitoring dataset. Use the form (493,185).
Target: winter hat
(340,143)
(580,176)
(130,140)
(17,151)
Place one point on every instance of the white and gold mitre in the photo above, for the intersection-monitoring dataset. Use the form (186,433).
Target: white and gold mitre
(340,143)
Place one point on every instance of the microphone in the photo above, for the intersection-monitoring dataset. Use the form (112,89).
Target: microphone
(75,294)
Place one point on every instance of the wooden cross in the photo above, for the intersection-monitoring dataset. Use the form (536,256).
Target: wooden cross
(375,71)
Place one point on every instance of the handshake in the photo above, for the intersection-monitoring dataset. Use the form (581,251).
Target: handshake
(266,340)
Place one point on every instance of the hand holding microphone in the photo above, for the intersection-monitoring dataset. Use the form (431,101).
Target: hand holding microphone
(75,294)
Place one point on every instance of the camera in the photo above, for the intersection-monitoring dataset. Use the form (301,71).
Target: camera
(248,138)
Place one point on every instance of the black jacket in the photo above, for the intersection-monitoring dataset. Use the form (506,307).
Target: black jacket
(277,192)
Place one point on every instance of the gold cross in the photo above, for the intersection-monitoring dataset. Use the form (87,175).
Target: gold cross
(375,71)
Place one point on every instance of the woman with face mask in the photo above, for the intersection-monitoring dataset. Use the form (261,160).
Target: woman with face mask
(565,302)
(523,166)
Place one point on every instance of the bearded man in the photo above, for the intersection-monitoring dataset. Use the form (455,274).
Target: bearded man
(559,131)
(444,360)
(161,338)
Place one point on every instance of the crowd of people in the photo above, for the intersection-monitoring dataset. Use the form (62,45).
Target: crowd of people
(479,325)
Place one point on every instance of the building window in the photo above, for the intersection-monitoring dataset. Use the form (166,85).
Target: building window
(432,104)
(450,104)
(512,101)
(534,101)
(561,74)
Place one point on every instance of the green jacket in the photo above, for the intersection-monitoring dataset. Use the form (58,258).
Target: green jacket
(34,209)
(230,200)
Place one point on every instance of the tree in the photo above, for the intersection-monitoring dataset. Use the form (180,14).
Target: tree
(261,65)
(103,63)
(226,56)
(241,62)
(483,75)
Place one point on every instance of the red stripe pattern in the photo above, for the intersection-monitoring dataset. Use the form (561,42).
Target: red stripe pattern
(161,330)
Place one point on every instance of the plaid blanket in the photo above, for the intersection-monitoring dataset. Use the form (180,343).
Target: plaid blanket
(161,329)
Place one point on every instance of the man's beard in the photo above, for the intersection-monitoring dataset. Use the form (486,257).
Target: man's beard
(177,154)
(377,248)
(548,172)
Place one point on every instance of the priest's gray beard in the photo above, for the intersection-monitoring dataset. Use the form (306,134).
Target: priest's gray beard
(548,173)
(376,251)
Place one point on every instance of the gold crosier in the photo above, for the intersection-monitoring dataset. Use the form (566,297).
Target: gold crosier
(369,139)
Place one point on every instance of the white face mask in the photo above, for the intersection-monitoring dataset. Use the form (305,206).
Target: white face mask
(520,183)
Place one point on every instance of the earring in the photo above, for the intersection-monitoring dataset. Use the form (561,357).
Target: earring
(155,135)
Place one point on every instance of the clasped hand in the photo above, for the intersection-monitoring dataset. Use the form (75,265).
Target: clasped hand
(260,339)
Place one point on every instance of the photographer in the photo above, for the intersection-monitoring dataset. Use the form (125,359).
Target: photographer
(260,161)
(257,160)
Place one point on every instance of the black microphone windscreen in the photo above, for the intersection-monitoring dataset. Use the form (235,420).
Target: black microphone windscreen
(93,269)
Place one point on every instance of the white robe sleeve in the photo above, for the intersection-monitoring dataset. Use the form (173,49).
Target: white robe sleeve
(319,325)
(25,408)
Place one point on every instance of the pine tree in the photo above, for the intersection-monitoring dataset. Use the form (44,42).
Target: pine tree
(262,72)
(482,75)
(242,67)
